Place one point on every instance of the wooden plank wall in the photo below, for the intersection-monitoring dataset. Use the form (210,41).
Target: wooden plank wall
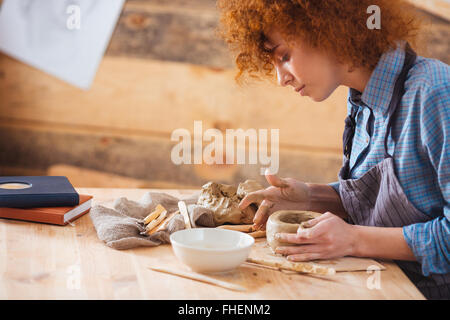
(440,8)
(164,68)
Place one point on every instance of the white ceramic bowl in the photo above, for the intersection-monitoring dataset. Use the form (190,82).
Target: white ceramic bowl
(210,249)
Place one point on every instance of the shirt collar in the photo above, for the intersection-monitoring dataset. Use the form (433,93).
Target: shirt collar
(380,87)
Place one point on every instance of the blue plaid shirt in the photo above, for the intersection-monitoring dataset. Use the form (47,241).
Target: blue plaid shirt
(421,152)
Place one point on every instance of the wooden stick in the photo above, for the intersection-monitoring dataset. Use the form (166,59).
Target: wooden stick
(257,265)
(185,213)
(153,224)
(237,227)
(163,223)
(154,214)
(253,264)
(199,277)
(293,266)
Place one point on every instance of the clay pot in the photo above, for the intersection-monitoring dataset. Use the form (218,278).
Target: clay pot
(286,221)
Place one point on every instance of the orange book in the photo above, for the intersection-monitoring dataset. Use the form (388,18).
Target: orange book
(53,215)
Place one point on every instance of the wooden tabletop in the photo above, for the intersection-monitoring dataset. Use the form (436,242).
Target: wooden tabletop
(40,261)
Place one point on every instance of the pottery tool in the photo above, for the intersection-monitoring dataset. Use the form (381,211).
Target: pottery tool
(238,227)
(163,224)
(154,214)
(199,277)
(293,266)
(185,213)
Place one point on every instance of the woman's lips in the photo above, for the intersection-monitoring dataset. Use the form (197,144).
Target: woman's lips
(301,90)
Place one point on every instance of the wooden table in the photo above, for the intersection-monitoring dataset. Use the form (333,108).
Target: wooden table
(40,261)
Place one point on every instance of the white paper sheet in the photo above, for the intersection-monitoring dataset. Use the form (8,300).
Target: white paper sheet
(65,38)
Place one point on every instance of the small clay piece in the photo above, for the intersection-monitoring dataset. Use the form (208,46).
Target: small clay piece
(286,221)
(224,200)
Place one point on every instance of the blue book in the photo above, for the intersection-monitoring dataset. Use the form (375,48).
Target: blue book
(37,191)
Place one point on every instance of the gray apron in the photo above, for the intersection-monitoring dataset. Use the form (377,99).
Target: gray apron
(377,198)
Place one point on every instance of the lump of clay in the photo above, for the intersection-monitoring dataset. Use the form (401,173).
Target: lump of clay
(224,200)
(286,221)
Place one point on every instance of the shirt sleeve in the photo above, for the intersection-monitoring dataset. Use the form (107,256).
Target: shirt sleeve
(430,241)
(335,186)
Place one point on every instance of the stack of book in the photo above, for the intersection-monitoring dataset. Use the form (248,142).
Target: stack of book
(47,199)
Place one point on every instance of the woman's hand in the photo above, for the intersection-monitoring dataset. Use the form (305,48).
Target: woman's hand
(324,237)
(283,194)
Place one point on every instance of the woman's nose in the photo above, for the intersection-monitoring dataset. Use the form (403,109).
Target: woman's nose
(283,76)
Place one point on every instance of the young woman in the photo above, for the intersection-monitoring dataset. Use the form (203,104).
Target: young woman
(392,199)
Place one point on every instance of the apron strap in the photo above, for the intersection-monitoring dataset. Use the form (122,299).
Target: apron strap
(349,130)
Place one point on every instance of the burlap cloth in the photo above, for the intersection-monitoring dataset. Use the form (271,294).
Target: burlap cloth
(122,227)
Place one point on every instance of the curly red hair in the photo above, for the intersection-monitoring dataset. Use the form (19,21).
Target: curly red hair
(337,26)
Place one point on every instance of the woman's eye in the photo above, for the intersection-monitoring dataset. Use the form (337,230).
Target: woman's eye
(284,58)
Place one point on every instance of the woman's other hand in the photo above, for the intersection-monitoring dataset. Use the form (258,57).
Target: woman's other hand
(324,237)
(283,194)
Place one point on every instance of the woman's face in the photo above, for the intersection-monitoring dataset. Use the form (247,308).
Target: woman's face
(308,71)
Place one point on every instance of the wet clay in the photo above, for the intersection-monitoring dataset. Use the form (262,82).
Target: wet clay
(224,200)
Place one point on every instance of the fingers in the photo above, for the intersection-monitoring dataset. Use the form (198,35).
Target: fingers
(306,256)
(276,181)
(307,237)
(316,242)
(252,197)
(303,236)
(259,227)
(262,214)
(292,250)
(315,221)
